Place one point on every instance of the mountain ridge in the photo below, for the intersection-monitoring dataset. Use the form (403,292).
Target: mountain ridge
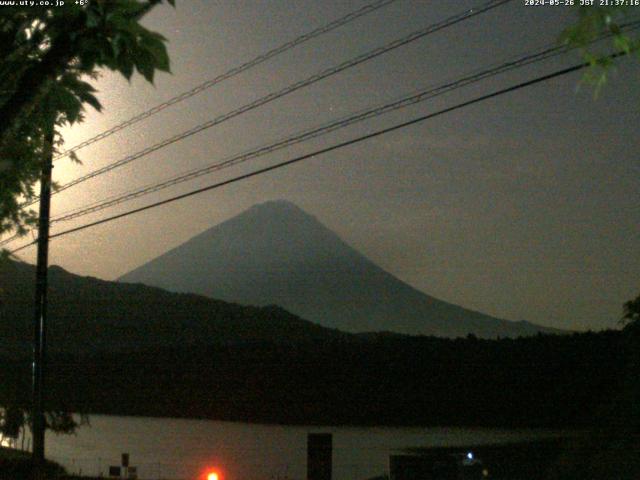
(86,314)
(275,253)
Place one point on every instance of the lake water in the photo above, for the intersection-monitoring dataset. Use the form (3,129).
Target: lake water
(166,448)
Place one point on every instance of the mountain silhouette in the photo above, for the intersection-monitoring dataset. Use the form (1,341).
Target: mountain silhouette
(90,315)
(275,253)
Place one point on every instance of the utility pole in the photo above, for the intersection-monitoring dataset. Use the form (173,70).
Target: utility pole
(40,312)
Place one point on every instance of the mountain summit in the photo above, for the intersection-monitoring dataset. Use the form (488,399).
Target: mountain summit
(275,253)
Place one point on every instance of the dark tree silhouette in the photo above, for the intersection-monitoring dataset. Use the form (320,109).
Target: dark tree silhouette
(632,312)
(46,56)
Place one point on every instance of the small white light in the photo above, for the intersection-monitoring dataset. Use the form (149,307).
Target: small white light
(470,456)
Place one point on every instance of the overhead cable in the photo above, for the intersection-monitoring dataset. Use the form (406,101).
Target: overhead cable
(286,91)
(322,151)
(423,95)
(412,99)
(230,73)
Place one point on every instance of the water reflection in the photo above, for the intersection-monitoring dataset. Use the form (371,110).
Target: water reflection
(184,449)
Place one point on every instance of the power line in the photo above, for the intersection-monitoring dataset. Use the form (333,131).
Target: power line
(10,239)
(287,90)
(325,150)
(231,73)
(318,131)
(421,96)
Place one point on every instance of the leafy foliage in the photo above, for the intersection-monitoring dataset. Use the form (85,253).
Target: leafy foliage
(595,22)
(632,312)
(541,381)
(16,465)
(12,421)
(48,56)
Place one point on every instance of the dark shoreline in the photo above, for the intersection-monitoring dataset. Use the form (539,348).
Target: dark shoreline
(534,382)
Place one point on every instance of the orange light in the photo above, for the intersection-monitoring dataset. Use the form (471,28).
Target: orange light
(213,476)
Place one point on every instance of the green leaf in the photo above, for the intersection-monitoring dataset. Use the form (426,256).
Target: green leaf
(158,50)
(91,100)
(126,68)
(66,103)
(621,43)
(145,63)
(93,19)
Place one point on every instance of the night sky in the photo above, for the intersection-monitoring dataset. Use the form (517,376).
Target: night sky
(525,207)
